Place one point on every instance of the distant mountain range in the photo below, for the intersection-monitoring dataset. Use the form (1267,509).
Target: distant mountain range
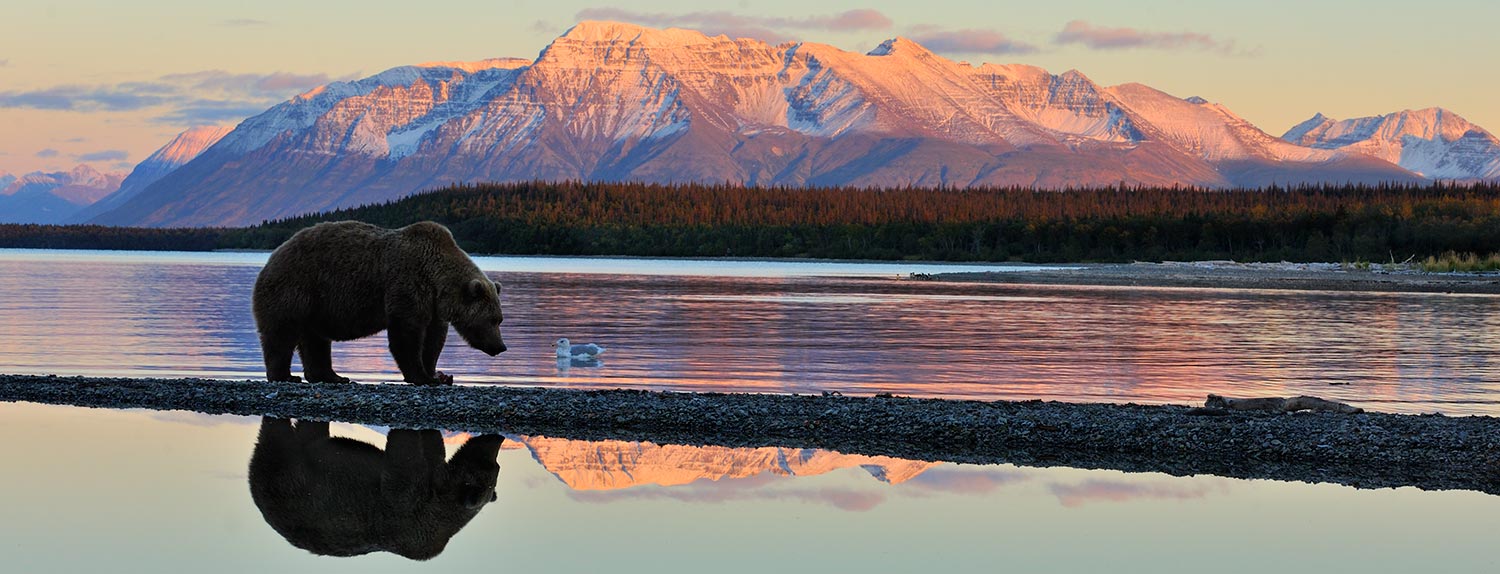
(1434,142)
(41,197)
(615,102)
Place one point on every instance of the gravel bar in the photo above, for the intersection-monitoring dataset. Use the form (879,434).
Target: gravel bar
(1239,276)
(1366,450)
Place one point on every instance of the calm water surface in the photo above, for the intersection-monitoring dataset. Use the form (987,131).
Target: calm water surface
(140,491)
(800,327)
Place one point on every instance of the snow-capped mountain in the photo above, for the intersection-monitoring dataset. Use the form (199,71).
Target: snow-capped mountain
(41,197)
(610,101)
(1433,142)
(182,149)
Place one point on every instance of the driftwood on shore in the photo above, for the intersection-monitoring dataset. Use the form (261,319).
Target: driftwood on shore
(1367,450)
(1280,404)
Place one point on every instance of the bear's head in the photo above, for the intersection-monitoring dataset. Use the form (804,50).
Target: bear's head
(478,317)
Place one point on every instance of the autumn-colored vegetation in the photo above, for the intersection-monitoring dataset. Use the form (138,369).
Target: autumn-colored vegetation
(1325,223)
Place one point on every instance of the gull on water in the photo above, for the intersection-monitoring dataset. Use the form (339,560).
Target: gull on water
(567,350)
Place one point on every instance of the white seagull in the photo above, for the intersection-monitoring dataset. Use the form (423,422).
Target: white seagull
(567,350)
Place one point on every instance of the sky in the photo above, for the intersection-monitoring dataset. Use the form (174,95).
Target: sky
(106,82)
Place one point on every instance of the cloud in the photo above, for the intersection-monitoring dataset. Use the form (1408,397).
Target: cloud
(209,96)
(104,155)
(82,98)
(543,26)
(1073,495)
(969,41)
(4,63)
(244,23)
(276,84)
(49,152)
(966,481)
(206,112)
(1082,32)
(842,499)
(768,28)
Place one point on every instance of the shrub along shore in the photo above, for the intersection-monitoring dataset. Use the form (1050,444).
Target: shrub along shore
(1367,450)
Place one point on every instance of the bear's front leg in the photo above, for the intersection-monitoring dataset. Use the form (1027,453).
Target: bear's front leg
(432,348)
(407,343)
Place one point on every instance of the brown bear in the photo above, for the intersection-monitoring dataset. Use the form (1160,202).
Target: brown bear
(337,496)
(346,280)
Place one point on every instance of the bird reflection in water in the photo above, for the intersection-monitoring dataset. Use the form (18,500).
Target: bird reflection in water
(337,496)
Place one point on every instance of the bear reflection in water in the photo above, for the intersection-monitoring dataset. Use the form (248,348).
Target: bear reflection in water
(337,496)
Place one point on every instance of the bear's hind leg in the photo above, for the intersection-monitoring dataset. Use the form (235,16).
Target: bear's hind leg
(277,348)
(317,360)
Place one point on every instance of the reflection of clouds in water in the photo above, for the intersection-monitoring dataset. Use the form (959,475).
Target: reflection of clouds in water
(1097,490)
(201,419)
(742,490)
(958,480)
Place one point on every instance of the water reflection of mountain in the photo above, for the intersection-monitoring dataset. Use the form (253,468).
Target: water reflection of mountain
(336,496)
(614,465)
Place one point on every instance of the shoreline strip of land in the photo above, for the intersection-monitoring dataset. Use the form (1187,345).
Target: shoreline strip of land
(1231,275)
(1367,450)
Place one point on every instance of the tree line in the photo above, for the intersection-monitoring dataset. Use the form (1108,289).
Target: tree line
(1305,223)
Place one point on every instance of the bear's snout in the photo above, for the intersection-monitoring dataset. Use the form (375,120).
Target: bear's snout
(495,349)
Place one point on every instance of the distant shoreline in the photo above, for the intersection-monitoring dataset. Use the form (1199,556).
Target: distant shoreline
(1230,275)
(1366,450)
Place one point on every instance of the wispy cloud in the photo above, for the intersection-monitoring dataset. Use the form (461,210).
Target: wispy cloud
(1103,38)
(842,499)
(769,28)
(966,481)
(275,84)
(46,153)
(244,23)
(123,97)
(104,155)
(969,41)
(4,62)
(1072,495)
(209,96)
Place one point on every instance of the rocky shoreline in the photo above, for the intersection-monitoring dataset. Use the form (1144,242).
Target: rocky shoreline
(1367,450)
(1231,275)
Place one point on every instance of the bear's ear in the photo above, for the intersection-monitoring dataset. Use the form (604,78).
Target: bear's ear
(477,289)
(497,287)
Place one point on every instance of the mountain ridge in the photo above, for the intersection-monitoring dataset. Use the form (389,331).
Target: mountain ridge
(1433,142)
(620,102)
(178,151)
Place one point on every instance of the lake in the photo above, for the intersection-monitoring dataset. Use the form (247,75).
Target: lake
(142,491)
(170,491)
(795,327)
